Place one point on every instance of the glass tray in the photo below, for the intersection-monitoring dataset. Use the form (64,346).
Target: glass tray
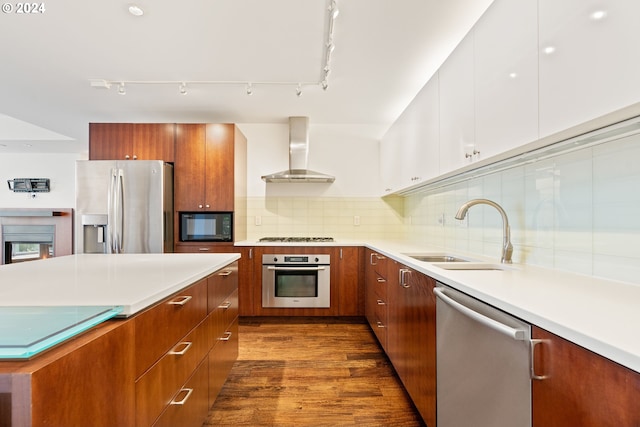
(26,331)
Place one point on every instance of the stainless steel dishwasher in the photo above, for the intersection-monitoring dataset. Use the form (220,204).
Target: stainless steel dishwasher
(483,364)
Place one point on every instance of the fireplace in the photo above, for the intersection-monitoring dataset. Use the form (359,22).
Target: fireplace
(32,234)
(27,242)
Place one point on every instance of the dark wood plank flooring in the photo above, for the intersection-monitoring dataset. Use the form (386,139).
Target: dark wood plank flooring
(311,372)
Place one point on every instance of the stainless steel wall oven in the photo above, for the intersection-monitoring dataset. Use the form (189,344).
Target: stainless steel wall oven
(296,280)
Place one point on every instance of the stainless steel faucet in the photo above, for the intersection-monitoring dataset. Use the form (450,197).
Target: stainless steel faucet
(507,247)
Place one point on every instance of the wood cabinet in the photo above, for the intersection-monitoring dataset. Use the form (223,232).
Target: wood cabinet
(587,66)
(163,366)
(376,281)
(69,384)
(346,271)
(131,141)
(347,293)
(401,310)
(411,337)
(205,166)
(580,387)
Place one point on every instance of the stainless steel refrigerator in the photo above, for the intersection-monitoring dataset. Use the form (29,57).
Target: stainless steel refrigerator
(124,206)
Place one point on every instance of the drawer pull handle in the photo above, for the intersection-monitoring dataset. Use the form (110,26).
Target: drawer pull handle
(186,344)
(225,273)
(182,300)
(225,306)
(227,336)
(203,249)
(380,302)
(381,280)
(379,324)
(187,391)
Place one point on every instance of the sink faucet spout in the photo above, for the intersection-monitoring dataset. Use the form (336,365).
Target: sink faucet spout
(507,247)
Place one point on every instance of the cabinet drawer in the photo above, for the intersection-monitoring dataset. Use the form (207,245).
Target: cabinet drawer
(379,286)
(222,317)
(190,406)
(221,359)
(379,263)
(221,284)
(379,321)
(159,328)
(157,386)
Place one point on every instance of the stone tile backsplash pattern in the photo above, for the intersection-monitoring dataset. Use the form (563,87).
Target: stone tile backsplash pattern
(578,211)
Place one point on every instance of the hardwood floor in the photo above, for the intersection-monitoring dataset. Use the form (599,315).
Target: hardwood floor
(311,372)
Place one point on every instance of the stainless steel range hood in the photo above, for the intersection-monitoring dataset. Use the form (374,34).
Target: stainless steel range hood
(298,156)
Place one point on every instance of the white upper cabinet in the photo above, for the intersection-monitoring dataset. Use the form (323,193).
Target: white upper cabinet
(409,150)
(506,77)
(457,111)
(589,60)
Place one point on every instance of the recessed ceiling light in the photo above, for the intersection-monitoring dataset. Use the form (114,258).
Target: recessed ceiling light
(598,15)
(549,50)
(135,10)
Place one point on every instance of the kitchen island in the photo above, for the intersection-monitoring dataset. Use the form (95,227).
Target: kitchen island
(159,361)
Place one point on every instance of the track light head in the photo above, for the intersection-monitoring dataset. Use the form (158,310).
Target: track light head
(121,89)
(299,90)
(183,88)
(249,89)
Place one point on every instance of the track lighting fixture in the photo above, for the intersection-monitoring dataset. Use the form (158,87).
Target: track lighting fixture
(329,45)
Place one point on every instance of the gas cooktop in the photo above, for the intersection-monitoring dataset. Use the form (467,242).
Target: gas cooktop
(297,239)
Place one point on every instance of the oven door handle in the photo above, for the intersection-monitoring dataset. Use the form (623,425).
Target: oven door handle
(319,268)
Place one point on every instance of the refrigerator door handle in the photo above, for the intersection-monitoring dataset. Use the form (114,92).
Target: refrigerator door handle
(120,210)
(111,209)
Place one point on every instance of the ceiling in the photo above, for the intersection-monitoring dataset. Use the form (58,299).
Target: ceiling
(385,51)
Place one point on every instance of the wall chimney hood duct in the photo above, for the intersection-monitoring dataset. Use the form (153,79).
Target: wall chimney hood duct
(298,156)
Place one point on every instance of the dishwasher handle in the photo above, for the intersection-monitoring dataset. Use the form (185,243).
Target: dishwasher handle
(516,334)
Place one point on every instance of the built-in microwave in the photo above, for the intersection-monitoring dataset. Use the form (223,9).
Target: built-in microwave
(206,226)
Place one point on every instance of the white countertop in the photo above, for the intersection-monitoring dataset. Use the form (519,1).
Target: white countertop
(600,315)
(134,281)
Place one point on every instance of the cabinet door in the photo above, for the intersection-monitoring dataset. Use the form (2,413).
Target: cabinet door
(153,141)
(347,273)
(457,122)
(391,160)
(506,76)
(581,388)
(411,338)
(409,152)
(219,167)
(110,141)
(589,64)
(189,167)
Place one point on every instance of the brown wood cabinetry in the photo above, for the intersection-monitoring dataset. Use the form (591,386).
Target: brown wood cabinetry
(376,301)
(411,336)
(205,166)
(163,366)
(347,273)
(347,293)
(131,141)
(581,388)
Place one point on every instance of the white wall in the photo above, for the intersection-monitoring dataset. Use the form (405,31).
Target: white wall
(349,152)
(59,168)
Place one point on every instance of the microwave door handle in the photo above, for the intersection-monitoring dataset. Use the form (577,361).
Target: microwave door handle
(319,268)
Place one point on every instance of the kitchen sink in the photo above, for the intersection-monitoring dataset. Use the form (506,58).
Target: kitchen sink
(471,266)
(436,258)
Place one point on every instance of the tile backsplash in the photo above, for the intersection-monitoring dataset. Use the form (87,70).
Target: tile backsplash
(578,211)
